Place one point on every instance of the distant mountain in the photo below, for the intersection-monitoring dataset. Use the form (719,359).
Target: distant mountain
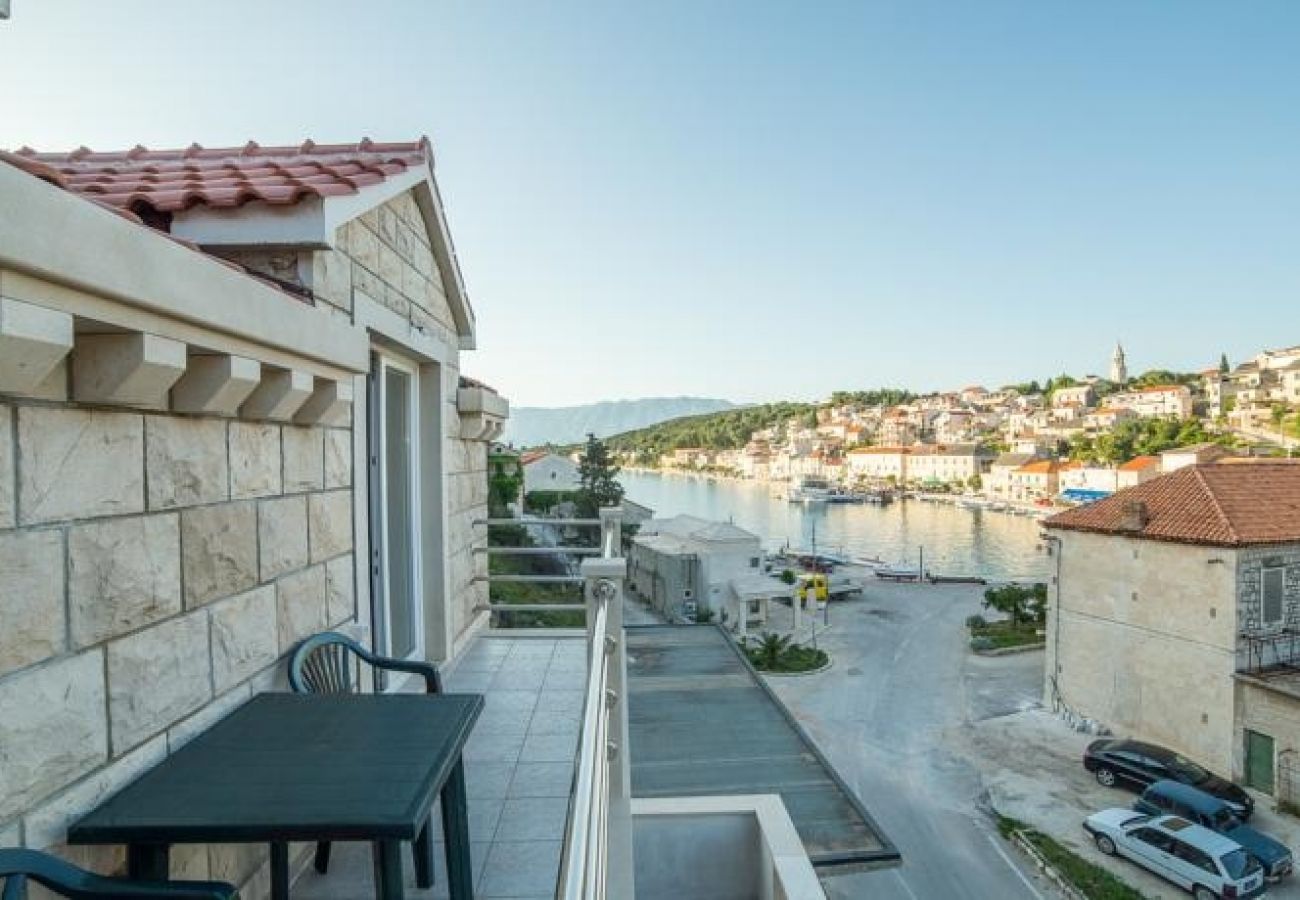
(533,426)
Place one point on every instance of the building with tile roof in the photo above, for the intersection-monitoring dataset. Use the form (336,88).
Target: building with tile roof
(226,370)
(1176,614)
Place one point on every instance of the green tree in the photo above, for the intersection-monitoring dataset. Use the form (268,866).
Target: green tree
(975,482)
(504,482)
(1224,368)
(769,650)
(1018,603)
(597,478)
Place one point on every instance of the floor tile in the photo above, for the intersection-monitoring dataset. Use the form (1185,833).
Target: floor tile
(488,779)
(549,748)
(543,779)
(532,819)
(488,746)
(546,722)
(521,869)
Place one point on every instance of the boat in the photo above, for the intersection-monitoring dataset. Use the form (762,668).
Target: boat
(898,573)
(819,490)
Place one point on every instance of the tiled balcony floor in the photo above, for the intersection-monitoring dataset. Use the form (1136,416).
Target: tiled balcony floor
(518,771)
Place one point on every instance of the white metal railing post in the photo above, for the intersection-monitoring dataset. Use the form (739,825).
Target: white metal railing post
(597,858)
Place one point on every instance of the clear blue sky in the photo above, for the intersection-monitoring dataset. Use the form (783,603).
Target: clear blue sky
(758,201)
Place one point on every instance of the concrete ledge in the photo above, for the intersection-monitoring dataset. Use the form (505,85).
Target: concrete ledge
(1009,651)
(758,820)
(830,661)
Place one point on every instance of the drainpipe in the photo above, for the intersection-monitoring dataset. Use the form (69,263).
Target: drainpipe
(1056,546)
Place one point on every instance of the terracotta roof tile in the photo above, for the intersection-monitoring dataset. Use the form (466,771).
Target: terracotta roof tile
(1216,505)
(1140,464)
(167,181)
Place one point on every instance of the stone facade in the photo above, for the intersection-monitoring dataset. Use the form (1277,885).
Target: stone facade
(159,566)
(1250,586)
(142,595)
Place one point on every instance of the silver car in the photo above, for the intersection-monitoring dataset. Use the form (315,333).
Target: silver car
(1207,864)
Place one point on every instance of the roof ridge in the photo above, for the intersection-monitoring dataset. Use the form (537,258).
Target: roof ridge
(1214,503)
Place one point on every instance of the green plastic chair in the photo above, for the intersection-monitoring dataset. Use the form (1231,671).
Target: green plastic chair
(323,664)
(19,868)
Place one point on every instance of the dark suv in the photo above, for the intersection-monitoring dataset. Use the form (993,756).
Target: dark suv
(1136,765)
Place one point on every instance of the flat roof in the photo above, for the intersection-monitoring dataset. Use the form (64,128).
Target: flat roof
(702,722)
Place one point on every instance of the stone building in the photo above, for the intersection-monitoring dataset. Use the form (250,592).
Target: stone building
(207,357)
(1176,614)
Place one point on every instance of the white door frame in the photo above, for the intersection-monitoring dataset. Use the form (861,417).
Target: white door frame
(387,361)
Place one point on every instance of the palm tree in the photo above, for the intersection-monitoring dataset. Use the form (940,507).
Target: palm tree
(769,650)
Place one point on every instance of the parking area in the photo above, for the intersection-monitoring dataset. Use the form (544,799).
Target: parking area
(1031,767)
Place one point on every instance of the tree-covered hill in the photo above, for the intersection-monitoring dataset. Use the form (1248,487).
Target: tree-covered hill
(725,430)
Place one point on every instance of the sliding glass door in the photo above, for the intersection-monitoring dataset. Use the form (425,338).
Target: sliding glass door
(395,526)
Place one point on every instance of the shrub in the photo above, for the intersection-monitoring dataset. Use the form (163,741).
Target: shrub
(981,643)
(703,615)
(976,622)
(787,575)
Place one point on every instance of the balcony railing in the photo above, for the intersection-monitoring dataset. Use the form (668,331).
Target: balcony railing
(597,857)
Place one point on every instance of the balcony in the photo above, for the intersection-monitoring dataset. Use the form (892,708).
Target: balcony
(552,812)
(1270,660)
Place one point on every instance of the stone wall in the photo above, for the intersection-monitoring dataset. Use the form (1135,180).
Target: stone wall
(1144,640)
(1250,586)
(156,569)
(386,257)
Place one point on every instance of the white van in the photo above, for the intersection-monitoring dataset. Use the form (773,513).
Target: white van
(1207,864)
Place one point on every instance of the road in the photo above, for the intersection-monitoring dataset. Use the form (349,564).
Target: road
(883,714)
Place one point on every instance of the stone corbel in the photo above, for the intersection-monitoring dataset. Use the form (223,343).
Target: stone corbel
(483,413)
(132,369)
(280,395)
(216,384)
(329,404)
(33,341)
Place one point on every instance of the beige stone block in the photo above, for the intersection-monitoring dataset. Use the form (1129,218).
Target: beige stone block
(340,603)
(47,825)
(365,249)
(186,461)
(216,384)
(78,463)
(187,730)
(330,524)
(189,862)
(122,574)
(219,551)
(301,606)
(128,368)
(332,278)
(387,224)
(390,266)
(33,341)
(6,467)
(54,729)
(244,636)
(157,677)
(254,460)
(279,395)
(282,534)
(338,458)
(304,459)
(236,863)
(31,598)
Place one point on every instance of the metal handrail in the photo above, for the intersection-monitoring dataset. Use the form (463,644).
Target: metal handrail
(584,852)
(565,522)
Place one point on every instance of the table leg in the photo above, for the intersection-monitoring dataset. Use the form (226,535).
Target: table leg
(279,870)
(148,862)
(422,852)
(455,831)
(388,870)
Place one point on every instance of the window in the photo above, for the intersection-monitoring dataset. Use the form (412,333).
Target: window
(1154,838)
(1189,854)
(753,562)
(1274,580)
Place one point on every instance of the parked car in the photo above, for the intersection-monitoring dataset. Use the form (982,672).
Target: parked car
(1137,765)
(1211,866)
(1174,798)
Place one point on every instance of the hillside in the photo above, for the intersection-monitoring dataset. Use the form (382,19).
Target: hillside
(534,426)
(725,430)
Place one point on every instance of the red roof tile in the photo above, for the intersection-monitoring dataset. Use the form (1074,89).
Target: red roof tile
(1216,505)
(1140,464)
(168,181)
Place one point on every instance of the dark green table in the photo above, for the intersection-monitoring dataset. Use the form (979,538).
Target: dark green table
(306,767)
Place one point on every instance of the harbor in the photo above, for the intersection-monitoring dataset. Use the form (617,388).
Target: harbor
(905,537)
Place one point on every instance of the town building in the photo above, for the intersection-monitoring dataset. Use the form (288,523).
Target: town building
(222,371)
(998,481)
(1192,455)
(1174,616)
(936,464)
(1118,365)
(1036,480)
(1136,471)
(548,471)
(1082,395)
(686,564)
(878,464)
(1158,401)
